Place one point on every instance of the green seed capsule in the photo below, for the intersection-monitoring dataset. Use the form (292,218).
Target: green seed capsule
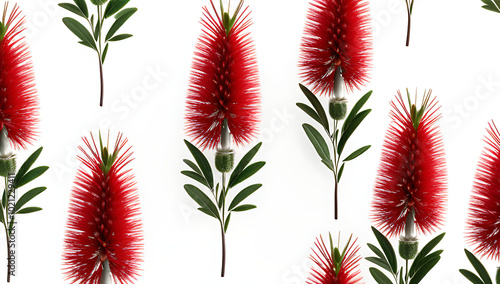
(7,166)
(224,161)
(408,249)
(338,108)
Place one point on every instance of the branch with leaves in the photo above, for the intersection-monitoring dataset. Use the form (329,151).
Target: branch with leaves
(337,135)
(386,259)
(218,205)
(13,182)
(95,38)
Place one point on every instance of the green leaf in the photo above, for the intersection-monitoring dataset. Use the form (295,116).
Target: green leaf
(380,277)
(388,250)
(30,176)
(86,44)
(311,112)
(471,276)
(72,8)
(121,19)
(27,165)
(105,52)
(226,224)
(378,252)
(357,153)
(243,163)
(423,252)
(114,6)
(245,207)
(221,199)
(97,30)
(83,7)
(28,210)
(341,171)
(420,274)
(197,177)
(401,281)
(206,211)
(478,266)
(318,142)
(317,106)
(120,37)
(351,128)
(242,195)
(491,6)
(202,163)
(247,172)
(355,109)
(80,31)
(382,263)
(2,218)
(328,164)
(192,165)
(27,197)
(202,199)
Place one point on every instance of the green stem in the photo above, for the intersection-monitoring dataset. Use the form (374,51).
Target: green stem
(409,24)
(406,273)
(336,160)
(223,221)
(99,53)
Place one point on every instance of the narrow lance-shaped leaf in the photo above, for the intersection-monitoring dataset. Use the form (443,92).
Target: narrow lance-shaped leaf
(27,164)
(311,112)
(202,163)
(357,153)
(478,266)
(318,141)
(422,272)
(380,277)
(72,8)
(317,106)
(388,249)
(202,199)
(247,172)
(471,276)
(245,207)
(30,176)
(27,197)
(83,7)
(80,31)
(355,109)
(351,128)
(243,163)
(122,18)
(28,210)
(242,195)
(114,6)
(423,252)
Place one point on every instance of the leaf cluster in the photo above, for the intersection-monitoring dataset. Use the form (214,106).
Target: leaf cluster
(92,38)
(24,175)
(201,171)
(387,260)
(338,137)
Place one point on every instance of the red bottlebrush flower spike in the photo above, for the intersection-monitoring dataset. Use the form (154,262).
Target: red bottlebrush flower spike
(224,82)
(18,100)
(412,172)
(104,219)
(483,230)
(337,35)
(330,270)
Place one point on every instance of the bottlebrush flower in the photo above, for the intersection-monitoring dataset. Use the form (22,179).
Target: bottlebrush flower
(18,100)
(337,34)
(412,172)
(340,269)
(104,219)
(224,81)
(483,230)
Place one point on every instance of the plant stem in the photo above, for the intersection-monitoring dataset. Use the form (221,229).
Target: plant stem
(102,80)
(336,200)
(409,24)
(223,269)
(406,273)
(336,159)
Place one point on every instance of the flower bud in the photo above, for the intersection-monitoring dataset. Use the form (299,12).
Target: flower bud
(338,108)
(408,249)
(7,166)
(224,161)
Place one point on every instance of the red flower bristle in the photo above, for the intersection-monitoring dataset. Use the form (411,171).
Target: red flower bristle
(104,219)
(337,34)
(483,226)
(18,100)
(224,82)
(324,273)
(412,172)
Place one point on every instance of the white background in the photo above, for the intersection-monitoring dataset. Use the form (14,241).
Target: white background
(454,50)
